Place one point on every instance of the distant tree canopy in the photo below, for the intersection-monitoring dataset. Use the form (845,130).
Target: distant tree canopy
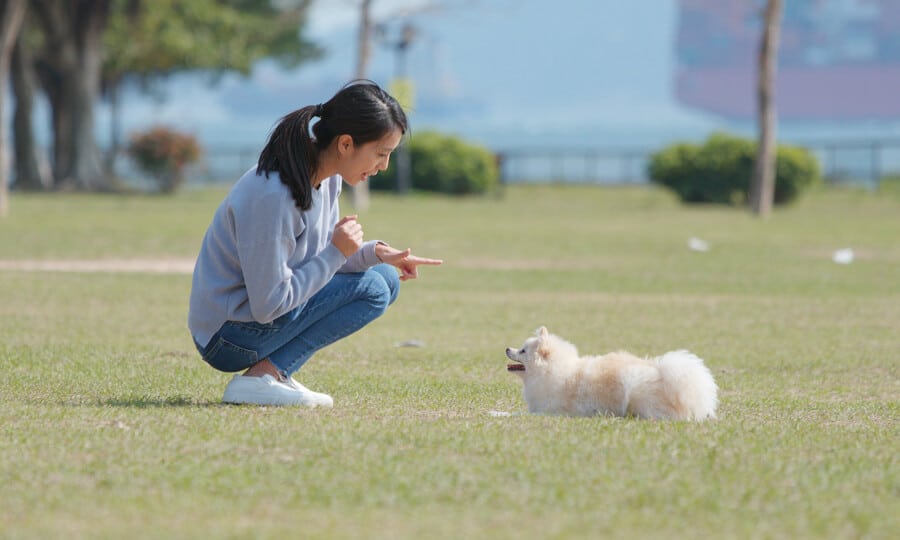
(76,50)
(161,37)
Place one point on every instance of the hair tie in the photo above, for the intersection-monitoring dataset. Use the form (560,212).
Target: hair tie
(320,110)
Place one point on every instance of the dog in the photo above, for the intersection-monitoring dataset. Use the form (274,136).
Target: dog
(675,386)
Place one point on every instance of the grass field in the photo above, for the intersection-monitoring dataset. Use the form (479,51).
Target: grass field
(113,427)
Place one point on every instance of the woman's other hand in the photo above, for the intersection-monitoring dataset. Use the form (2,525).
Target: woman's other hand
(348,235)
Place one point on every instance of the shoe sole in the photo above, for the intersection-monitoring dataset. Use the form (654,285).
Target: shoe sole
(266,400)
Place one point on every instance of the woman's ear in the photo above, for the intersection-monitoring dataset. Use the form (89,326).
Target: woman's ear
(344,144)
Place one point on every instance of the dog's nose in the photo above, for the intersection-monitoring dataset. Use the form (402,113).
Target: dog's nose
(508,350)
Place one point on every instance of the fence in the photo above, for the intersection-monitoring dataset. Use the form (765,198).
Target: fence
(860,162)
(863,162)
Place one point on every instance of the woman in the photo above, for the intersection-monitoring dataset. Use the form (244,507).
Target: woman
(280,274)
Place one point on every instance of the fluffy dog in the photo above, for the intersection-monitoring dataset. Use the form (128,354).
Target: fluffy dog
(675,386)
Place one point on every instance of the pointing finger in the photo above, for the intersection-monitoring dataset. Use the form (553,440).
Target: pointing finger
(422,260)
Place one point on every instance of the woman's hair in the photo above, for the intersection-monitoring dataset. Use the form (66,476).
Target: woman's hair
(361,109)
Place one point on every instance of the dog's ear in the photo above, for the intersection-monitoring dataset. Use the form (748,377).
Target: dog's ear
(543,350)
(542,332)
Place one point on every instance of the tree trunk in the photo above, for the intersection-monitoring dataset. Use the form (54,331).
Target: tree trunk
(12,13)
(74,37)
(762,192)
(360,199)
(32,170)
(115,132)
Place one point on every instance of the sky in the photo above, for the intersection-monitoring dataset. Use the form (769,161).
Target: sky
(502,72)
(506,73)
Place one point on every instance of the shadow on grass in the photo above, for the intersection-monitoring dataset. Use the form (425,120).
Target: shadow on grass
(142,402)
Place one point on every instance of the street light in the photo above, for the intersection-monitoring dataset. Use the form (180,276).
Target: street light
(401,88)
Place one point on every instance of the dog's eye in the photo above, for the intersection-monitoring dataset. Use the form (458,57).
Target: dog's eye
(523,350)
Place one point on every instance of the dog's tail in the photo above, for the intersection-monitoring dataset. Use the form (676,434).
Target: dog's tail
(689,384)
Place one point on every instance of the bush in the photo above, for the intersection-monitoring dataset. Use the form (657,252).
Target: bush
(164,154)
(444,164)
(796,170)
(721,169)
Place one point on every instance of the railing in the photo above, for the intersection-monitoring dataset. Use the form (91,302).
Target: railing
(861,161)
(573,166)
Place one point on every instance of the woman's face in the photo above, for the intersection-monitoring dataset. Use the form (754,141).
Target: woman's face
(359,162)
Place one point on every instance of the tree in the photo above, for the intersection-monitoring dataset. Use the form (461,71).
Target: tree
(148,41)
(32,168)
(12,13)
(72,31)
(360,199)
(79,48)
(762,190)
(57,51)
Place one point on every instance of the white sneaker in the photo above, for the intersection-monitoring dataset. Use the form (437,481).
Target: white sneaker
(319,399)
(265,390)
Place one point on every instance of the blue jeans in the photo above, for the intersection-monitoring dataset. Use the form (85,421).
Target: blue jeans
(344,305)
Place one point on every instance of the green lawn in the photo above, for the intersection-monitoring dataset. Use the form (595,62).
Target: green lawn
(113,428)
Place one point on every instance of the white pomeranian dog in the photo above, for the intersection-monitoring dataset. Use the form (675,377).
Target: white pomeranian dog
(674,386)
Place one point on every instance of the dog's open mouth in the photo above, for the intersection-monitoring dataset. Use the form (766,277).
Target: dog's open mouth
(515,367)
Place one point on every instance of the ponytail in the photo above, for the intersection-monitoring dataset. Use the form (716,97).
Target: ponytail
(292,153)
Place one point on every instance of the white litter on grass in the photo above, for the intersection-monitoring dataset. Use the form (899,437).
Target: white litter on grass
(697,244)
(499,413)
(843,256)
(410,343)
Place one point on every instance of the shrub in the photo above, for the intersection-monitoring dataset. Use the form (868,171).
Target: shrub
(796,170)
(164,154)
(721,169)
(444,164)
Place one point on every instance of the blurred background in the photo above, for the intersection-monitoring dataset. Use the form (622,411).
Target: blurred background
(566,91)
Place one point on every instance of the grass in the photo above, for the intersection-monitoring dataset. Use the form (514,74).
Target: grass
(113,427)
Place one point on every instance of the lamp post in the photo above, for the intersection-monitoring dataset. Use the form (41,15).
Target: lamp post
(402,89)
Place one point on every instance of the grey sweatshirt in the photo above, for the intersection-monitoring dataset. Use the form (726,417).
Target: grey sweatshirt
(262,257)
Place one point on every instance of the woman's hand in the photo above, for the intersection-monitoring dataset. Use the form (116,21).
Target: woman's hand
(404,260)
(347,236)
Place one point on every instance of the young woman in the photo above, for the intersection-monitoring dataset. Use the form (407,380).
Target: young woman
(280,274)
